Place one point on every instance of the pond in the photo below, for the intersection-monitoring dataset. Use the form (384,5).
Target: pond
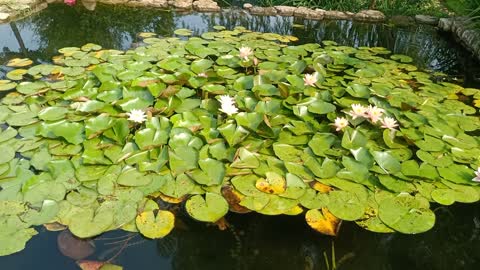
(253,241)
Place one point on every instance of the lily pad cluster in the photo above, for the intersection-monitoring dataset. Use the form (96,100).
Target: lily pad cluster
(70,154)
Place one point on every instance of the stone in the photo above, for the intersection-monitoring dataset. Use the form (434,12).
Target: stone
(206,6)
(402,21)
(336,15)
(113,2)
(285,10)
(307,13)
(181,4)
(369,16)
(4,9)
(4,16)
(267,11)
(425,19)
(148,3)
(458,26)
(247,6)
(445,24)
(89,4)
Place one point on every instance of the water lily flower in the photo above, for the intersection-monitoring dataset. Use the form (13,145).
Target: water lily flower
(477,175)
(69,2)
(310,79)
(202,75)
(340,123)
(374,113)
(227,104)
(389,122)
(245,52)
(137,116)
(358,110)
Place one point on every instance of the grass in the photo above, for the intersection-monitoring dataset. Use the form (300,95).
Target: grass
(468,8)
(389,7)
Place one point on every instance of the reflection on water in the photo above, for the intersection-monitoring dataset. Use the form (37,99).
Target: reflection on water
(39,37)
(253,241)
(283,242)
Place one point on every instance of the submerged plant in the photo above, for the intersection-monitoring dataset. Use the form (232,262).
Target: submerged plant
(70,155)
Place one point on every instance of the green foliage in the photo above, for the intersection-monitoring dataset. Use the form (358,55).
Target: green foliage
(74,152)
(390,7)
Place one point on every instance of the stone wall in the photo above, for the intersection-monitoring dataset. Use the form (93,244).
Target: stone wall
(14,9)
(11,10)
(458,26)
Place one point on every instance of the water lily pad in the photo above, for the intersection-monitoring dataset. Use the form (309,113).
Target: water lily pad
(406,214)
(16,74)
(345,205)
(6,85)
(323,221)
(155,225)
(89,222)
(19,62)
(14,235)
(208,209)
(183,32)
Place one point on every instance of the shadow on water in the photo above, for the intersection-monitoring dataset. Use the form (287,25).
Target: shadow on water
(253,241)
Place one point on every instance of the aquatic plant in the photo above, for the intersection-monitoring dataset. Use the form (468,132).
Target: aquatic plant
(70,2)
(104,139)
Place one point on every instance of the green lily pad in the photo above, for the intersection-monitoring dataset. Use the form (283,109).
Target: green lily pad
(14,235)
(345,205)
(208,209)
(406,214)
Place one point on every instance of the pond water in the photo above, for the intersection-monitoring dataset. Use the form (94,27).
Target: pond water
(253,241)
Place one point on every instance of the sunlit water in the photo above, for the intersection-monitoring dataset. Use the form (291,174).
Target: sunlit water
(253,241)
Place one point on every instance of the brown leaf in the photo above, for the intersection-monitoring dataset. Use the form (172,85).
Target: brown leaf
(323,222)
(90,265)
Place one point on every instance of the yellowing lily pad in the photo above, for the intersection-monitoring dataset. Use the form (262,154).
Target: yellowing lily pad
(273,184)
(16,74)
(153,225)
(323,221)
(19,62)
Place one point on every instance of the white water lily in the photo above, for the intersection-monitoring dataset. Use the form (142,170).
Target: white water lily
(374,113)
(245,52)
(358,110)
(310,79)
(477,175)
(340,123)
(227,104)
(389,122)
(137,116)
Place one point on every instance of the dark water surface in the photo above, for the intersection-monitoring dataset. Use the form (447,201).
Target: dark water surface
(253,241)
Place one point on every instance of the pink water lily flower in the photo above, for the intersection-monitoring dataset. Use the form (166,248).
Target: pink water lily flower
(245,52)
(389,122)
(69,2)
(477,176)
(310,79)
(340,123)
(358,110)
(374,113)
